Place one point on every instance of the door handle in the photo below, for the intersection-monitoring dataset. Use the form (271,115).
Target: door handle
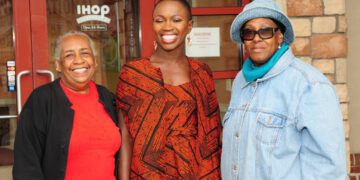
(18,88)
(51,74)
(8,116)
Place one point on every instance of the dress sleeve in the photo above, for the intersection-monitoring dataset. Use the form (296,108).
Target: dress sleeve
(209,125)
(125,94)
(322,152)
(29,142)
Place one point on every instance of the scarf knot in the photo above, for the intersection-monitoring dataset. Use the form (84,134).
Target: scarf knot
(252,72)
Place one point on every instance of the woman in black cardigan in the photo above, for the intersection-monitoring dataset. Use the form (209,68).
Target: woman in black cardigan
(68,129)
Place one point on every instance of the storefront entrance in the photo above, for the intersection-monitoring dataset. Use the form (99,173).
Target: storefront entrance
(121,30)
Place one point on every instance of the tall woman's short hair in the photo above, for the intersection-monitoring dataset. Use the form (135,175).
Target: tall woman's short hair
(185,3)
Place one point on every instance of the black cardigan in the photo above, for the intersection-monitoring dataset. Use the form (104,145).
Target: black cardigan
(44,130)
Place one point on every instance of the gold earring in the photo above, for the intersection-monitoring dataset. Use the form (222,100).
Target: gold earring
(155,45)
(188,41)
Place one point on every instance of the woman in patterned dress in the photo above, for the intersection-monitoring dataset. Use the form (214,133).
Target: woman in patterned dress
(169,104)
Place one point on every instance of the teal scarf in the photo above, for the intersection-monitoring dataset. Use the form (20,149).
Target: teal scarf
(252,72)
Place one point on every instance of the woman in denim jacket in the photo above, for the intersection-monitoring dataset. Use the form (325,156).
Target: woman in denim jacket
(284,119)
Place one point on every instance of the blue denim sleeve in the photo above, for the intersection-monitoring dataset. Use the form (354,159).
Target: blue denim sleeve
(322,153)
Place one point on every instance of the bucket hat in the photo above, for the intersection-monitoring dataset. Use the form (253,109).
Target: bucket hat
(261,9)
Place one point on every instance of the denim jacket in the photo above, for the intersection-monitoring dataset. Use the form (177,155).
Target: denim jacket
(285,125)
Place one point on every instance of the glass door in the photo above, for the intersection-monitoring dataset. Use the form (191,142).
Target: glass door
(27,33)
(10,66)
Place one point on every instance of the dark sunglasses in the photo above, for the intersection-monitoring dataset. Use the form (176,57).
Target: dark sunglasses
(264,33)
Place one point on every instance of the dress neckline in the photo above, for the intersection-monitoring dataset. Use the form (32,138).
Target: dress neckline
(158,70)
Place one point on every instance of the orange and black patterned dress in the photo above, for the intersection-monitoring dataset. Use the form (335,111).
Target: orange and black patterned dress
(175,129)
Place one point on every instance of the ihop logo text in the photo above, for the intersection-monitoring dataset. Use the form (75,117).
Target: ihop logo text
(93,13)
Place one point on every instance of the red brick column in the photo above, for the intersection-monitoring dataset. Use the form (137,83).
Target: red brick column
(355,167)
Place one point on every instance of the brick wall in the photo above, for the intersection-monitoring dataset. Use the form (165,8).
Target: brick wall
(320,28)
(355,167)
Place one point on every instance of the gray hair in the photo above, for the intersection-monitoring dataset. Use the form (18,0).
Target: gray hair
(60,39)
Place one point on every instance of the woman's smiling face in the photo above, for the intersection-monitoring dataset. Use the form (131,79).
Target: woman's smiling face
(77,63)
(171,24)
(260,50)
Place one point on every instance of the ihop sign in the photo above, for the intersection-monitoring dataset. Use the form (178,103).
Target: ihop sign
(92,13)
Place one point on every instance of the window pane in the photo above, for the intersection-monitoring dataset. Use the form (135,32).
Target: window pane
(229,57)
(7,75)
(7,93)
(132,39)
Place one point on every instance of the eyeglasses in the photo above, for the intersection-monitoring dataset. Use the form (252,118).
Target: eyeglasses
(264,33)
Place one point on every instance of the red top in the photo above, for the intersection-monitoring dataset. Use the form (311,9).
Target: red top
(175,129)
(95,138)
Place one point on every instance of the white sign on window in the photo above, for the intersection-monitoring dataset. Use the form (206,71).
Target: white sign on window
(203,42)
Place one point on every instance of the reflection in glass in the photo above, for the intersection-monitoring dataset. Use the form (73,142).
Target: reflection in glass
(132,19)
(7,98)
